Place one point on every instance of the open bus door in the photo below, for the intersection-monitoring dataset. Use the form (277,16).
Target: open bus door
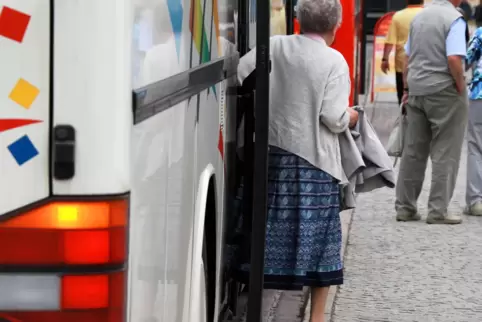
(256,150)
(252,94)
(290,17)
(256,154)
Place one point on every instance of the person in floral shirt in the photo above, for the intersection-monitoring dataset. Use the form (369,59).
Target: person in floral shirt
(473,194)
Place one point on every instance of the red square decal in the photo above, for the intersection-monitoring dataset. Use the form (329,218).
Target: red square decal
(13,24)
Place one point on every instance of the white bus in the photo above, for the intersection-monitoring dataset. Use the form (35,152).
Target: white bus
(117,145)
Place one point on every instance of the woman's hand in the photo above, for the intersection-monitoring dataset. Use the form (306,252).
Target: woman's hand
(353,117)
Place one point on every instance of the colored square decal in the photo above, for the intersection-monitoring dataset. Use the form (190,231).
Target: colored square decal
(23,150)
(24,93)
(13,24)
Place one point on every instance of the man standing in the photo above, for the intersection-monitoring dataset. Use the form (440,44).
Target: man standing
(436,106)
(397,36)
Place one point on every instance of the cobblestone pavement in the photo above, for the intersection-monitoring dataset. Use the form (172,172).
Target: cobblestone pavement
(410,271)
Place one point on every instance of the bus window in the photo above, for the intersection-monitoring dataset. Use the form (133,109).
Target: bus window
(155,42)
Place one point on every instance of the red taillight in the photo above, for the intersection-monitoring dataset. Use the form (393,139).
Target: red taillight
(72,316)
(67,233)
(57,236)
(92,298)
(85,292)
(86,247)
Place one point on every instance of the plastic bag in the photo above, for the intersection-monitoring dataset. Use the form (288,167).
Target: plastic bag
(397,136)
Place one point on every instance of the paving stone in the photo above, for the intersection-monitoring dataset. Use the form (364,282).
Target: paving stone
(399,272)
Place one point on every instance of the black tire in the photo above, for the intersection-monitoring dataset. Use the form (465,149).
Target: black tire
(209,279)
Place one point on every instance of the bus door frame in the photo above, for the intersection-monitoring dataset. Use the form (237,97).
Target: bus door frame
(260,173)
(289,9)
(255,191)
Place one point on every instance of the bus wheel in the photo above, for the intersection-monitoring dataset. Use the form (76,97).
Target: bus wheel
(205,300)
(209,257)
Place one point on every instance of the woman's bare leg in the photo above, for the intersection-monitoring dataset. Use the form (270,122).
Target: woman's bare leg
(318,302)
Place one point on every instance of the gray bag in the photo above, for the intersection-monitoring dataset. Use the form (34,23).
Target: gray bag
(397,136)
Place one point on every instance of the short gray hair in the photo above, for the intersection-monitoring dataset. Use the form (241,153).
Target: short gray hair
(318,16)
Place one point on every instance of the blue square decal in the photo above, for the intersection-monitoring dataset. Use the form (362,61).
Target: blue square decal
(23,150)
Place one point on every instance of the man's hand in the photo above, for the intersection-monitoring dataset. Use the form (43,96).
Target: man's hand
(404,102)
(460,86)
(385,66)
(405,97)
(353,117)
(457,71)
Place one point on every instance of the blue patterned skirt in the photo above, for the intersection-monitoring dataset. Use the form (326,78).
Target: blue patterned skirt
(303,235)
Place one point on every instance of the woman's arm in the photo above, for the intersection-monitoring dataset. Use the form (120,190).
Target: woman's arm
(333,111)
(247,64)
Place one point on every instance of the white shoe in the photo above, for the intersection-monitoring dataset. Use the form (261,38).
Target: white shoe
(444,220)
(475,209)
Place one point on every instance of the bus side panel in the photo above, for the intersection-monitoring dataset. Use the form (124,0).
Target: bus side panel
(163,163)
(24,102)
(92,92)
(161,226)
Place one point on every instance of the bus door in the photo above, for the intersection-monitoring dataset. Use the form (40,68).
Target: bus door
(292,24)
(253,30)
(290,17)
(260,160)
(253,94)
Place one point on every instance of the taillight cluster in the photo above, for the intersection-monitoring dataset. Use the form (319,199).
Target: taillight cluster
(64,262)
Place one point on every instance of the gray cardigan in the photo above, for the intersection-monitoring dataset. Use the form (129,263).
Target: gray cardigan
(309,92)
(365,162)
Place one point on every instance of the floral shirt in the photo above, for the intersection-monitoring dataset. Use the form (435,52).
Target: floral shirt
(473,59)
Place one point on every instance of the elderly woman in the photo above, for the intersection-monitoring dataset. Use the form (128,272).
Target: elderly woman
(310,87)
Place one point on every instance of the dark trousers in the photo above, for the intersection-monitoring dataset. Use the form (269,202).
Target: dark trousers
(399,77)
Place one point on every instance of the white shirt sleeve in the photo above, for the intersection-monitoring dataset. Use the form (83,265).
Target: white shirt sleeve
(456,43)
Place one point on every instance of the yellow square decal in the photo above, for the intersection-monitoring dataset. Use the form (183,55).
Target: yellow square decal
(24,93)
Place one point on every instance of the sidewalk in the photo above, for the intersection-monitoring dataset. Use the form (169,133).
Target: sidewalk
(410,271)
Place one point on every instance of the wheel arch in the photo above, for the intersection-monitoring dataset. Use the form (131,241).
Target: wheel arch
(206,233)
(210,233)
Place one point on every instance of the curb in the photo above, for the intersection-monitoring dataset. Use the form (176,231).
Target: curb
(346,219)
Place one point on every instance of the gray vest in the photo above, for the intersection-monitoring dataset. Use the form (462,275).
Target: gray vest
(428,71)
